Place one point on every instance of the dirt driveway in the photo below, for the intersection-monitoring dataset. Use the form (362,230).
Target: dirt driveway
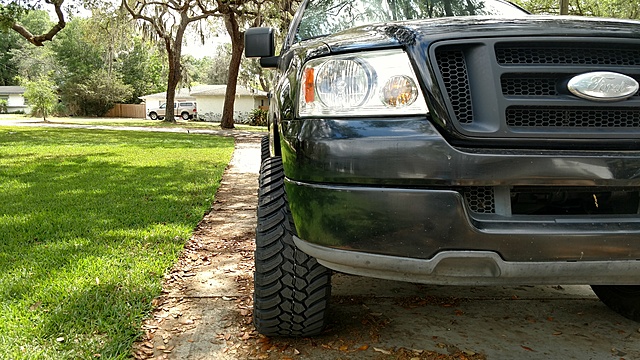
(205,309)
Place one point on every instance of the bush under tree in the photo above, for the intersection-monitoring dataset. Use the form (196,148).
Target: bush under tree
(41,96)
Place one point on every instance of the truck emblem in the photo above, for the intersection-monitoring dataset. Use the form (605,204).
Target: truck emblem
(603,86)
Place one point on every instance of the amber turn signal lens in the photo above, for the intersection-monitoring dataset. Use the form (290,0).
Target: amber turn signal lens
(399,91)
(309,91)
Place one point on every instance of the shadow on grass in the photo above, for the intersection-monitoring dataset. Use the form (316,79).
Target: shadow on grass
(86,235)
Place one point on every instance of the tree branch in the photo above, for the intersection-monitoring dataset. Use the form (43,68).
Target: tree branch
(38,40)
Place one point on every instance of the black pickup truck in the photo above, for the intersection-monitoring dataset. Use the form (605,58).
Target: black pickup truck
(461,142)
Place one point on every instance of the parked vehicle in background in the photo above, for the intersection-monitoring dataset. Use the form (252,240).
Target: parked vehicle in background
(456,142)
(187,110)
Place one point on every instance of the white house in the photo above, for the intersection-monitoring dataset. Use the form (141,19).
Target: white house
(154,101)
(210,100)
(15,100)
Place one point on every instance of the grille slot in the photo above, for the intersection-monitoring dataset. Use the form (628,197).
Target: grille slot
(530,84)
(480,199)
(524,84)
(573,117)
(456,80)
(567,54)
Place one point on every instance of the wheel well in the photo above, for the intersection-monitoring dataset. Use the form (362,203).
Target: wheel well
(276,138)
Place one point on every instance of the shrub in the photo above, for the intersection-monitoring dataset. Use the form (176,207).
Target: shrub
(3,106)
(258,117)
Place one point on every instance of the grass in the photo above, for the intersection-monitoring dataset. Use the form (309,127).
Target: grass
(90,221)
(130,122)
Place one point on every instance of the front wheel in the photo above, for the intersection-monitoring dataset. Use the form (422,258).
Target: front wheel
(623,299)
(153,116)
(264,149)
(291,290)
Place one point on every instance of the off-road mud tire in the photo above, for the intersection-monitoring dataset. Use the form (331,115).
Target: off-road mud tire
(291,290)
(623,299)
(264,149)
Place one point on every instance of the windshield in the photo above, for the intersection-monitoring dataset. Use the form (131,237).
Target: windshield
(323,17)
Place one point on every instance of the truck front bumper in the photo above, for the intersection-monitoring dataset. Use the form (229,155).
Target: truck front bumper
(384,198)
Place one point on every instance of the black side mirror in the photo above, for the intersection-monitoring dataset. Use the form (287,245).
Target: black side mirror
(259,42)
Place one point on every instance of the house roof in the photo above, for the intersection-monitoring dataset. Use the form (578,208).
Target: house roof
(11,90)
(181,94)
(220,90)
(205,90)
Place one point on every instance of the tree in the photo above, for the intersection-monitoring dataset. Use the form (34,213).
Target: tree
(40,94)
(238,14)
(169,19)
(599,8)
(96,95)
(142,68)
(13,10)
(20,58)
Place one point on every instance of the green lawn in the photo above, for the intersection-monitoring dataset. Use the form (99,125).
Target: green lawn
(129,122)
(89,223)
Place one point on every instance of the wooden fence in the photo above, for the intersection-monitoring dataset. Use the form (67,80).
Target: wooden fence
(128,111)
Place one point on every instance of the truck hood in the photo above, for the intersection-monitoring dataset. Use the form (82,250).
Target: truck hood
(408,32)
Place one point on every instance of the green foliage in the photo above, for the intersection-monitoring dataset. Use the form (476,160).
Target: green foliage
(10,12)
(142,68)
(91,221)
(599,8)
(40,95)
(258,117)
(20,58)
(214,70)
(76,54)
(3,106)
(96,95)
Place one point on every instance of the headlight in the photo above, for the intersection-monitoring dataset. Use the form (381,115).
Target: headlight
(365,84)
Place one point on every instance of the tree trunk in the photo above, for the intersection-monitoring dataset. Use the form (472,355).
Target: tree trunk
(564,7)
(174,53)
(173,79)
(237,46)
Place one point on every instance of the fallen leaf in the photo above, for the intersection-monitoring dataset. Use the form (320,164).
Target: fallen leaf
(459,312)
(527,348)
(60,339)
(363,347)
(344,348)
(468,352)
(557,333)
(386,352)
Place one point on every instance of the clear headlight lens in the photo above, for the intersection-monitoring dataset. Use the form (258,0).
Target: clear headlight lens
(378,83)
